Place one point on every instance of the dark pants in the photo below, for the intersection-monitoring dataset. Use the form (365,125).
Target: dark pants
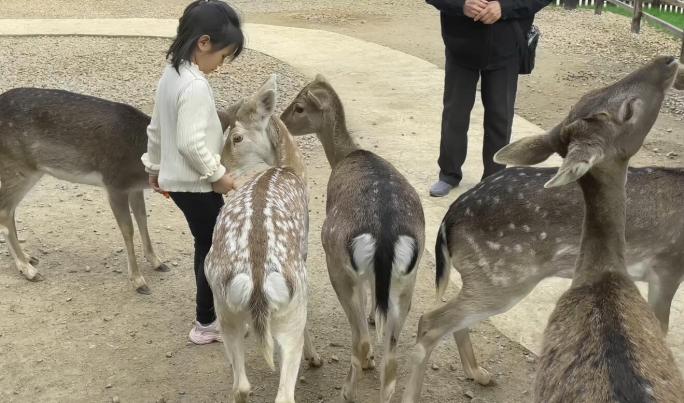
(498,90)
(201,211)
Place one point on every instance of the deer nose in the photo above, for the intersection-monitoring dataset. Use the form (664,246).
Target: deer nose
(670,60)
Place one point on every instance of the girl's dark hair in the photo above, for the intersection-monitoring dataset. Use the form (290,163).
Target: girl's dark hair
(206,17)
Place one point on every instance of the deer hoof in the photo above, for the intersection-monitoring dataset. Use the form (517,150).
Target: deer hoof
(30,272)
(162,268)
(143,289)
(481,376)
(369,363)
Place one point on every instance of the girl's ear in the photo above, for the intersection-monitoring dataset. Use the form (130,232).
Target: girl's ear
(204,43)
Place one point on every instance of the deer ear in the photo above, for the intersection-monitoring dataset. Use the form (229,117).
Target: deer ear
(228,116)
(630,110)
(526,151)
(315,100)
(266,97)
(320,78)
(577,162)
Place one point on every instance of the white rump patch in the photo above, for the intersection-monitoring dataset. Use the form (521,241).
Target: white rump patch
(276,290)
(240,291)
(403,253)
(363,252)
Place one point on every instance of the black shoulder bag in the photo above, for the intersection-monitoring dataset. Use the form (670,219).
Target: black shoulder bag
(527,47)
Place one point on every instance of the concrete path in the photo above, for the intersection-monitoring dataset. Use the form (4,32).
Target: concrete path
(391,97)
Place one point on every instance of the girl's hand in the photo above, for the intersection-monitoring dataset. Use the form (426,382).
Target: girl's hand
(154,183)
(224,185)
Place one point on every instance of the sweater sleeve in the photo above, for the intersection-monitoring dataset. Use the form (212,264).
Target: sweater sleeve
(195,107)
(151,159)
(451,7)
(516,9)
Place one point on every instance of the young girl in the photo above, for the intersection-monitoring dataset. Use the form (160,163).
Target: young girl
(185,138)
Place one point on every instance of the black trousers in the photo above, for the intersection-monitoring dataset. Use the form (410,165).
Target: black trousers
(201,211)
(499,85)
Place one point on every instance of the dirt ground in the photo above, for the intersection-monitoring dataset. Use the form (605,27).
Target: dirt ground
(84,335)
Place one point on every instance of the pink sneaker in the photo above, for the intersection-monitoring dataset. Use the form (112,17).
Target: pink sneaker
(200,334)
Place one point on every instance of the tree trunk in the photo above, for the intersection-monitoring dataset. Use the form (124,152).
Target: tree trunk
(636,20)
(599,7)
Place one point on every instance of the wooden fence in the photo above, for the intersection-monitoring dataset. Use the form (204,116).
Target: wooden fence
(636,7)
(672,6)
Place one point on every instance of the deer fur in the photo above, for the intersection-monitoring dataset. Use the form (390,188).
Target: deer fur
(603,343)
(80,139)
(256,266)
(373,234)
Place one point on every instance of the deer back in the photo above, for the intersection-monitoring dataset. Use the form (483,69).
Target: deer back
(72,136)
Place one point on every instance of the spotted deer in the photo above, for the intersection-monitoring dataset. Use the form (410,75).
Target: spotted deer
(373,234)
(256,266)
(603,343)
(79,139)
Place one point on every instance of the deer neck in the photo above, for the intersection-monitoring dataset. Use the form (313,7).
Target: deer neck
(602,247)
(336,139)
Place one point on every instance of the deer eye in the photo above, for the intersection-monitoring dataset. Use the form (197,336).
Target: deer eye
(237,138)
(298,109)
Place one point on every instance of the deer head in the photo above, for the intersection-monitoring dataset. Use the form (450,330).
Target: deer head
(258,140)
(607,125)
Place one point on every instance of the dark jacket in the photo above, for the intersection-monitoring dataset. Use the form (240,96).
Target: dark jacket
(476,45)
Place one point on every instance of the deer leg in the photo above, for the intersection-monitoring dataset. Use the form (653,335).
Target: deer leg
(395,323)
(467,309)
(310,353)
(32,260)
(14,187)
(661,291)
(349,294)
(233,329)
(374,305)
(468,360)
(119,203)
(290,332)
(21,260)
(136,200)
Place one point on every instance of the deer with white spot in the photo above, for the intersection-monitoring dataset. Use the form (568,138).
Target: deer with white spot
(256,266)
(603,342)
(80,139)
(373,234)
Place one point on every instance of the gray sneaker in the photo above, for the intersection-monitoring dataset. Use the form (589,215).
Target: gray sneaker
(440,189)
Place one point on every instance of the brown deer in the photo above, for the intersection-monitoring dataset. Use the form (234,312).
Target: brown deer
(373,234)
(603,342)
(538,235)
(256,266)
(80,139)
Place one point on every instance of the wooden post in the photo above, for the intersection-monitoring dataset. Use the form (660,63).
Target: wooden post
(599,7)
(570,4)
(636,20)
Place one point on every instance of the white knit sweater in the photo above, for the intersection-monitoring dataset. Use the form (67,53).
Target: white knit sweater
(185,138)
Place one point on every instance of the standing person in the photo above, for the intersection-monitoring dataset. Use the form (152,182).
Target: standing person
(482,39)
(185,138)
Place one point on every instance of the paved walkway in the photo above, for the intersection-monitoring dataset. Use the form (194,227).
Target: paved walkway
(390,96)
